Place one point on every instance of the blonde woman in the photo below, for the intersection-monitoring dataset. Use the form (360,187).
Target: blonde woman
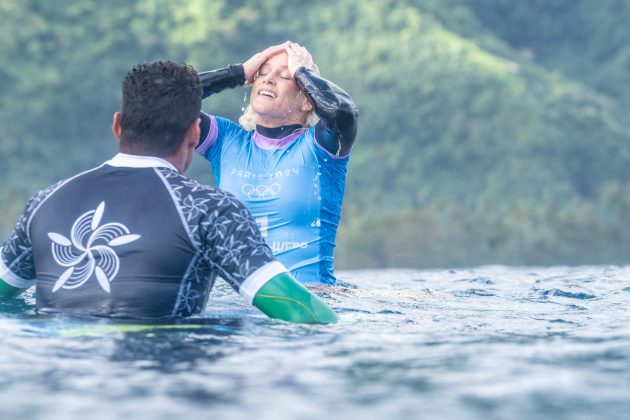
(287,159)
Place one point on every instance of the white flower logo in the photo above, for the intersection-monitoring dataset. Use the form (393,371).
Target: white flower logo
(89,252)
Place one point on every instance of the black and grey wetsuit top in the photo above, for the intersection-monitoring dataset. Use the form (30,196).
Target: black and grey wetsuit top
(134,238)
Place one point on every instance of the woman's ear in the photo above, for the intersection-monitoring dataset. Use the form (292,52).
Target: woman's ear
(306,106)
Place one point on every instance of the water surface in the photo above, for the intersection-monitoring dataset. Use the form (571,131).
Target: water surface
(490,342)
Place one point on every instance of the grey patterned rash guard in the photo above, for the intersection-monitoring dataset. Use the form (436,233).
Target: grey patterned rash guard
(134,238)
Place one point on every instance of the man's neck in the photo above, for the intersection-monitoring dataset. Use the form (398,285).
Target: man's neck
(174,160)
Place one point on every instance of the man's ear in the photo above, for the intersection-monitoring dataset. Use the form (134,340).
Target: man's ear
(116,129)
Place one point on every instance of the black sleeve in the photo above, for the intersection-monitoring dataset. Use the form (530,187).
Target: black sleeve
(204,127)
(337,112)
(214,81)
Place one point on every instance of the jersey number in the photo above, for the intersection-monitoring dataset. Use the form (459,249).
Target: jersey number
(263,224)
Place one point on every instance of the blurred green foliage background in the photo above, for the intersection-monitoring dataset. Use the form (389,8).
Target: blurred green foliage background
(491,131)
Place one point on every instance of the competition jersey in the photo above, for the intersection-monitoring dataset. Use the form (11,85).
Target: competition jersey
(292,186)
(134,238)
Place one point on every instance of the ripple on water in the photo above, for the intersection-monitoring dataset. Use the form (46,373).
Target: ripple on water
(546,294)
(472,292)
(478,280)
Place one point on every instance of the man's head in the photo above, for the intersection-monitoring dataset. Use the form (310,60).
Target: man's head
(160,107)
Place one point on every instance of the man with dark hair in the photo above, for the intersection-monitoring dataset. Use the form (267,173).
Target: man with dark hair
(135,238)
(160,102)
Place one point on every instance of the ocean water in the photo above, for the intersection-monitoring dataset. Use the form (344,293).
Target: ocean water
(491,342)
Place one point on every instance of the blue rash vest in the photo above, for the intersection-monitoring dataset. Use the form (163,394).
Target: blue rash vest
(292,186)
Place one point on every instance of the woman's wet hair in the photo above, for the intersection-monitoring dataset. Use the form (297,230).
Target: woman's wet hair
(160,101)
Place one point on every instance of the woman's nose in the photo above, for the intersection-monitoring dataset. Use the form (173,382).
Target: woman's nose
(269,79)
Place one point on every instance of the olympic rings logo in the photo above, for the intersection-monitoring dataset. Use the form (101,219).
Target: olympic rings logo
(261,192)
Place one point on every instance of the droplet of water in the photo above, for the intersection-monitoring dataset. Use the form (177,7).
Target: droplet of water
(244,100)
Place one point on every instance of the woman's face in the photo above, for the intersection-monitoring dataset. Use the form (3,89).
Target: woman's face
(276,97)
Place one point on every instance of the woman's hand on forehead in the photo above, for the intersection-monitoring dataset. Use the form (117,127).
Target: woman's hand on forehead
(298,56)
(252,65)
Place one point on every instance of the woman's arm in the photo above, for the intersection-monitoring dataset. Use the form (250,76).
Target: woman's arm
(338,114)
(214,81)
(337,128)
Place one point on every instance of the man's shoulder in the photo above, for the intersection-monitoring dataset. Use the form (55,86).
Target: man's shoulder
(183,182)
(43,194)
